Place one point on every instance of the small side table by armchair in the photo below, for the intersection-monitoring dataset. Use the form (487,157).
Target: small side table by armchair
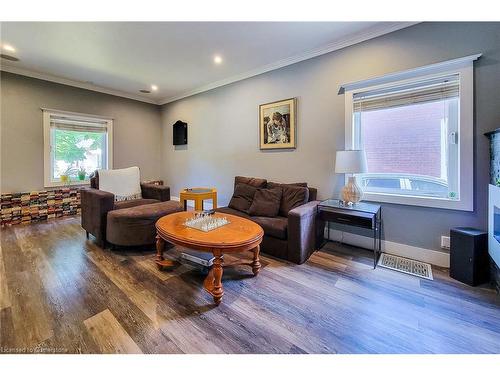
(361,215)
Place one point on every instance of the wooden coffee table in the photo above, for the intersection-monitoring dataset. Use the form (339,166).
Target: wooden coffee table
(238,236)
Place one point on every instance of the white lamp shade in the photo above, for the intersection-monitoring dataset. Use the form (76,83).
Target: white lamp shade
(350,161)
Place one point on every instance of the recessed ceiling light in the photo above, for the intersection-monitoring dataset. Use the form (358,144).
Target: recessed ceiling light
(217,59)
(8,47)
(154,87)
(144,91)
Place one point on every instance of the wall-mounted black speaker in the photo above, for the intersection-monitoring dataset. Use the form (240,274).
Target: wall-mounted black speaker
(469,262)
(180,133)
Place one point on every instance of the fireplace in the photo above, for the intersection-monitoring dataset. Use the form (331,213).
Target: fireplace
(494,207)
(494,230)
(496,223)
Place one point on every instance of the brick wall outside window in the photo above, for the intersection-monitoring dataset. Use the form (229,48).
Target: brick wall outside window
(404,139)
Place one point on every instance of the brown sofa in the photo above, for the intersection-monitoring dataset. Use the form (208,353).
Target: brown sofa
(293,237)
(125,223)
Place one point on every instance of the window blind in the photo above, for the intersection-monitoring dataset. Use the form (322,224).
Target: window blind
(417,92)
(94,126)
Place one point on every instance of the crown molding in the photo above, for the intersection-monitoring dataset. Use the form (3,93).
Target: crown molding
(357,38)
(70,82)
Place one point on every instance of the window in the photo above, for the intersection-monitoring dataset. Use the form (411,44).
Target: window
(408,134)
(75,146)
(416,130)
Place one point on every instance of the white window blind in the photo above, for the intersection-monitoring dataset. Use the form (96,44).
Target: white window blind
(78,125)
(417,92)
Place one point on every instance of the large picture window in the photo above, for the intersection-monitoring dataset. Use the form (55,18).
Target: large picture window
(75,146)
(416,130)
(409,134)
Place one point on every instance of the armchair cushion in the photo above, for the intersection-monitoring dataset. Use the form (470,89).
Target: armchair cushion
(133,203)
(155,191)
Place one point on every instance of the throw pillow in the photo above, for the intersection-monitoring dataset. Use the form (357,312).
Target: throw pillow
(242,197)
(124,183)
(266,202)
(255,182)
(293,196)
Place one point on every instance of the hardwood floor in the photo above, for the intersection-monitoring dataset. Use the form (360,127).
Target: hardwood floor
(62,293)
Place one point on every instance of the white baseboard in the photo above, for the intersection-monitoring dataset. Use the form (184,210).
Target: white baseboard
(435,257)
(206,205)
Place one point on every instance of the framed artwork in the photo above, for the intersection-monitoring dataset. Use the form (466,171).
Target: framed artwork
(277,124)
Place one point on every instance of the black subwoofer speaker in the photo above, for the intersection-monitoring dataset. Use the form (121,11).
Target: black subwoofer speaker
(469,262)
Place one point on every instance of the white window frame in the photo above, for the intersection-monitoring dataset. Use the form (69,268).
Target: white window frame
(464,68)
(47,142)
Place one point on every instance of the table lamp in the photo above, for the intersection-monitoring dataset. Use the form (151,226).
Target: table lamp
(351,162)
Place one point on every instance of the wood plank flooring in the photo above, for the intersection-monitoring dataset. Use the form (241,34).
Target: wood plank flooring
(61,293)
(110,335)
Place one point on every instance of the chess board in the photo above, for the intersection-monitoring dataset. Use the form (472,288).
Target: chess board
(206,222)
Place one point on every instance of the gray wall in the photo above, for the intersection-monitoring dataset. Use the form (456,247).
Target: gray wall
(136,129)
(223,123)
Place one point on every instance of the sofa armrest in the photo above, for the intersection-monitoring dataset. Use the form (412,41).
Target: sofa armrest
(302,232)
(95,205)
(153,191)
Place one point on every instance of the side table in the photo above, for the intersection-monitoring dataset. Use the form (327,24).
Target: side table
(198,195)
(361,215)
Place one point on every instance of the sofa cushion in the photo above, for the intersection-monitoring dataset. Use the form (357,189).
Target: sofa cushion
(134,203)
(313,194)
(232,211)
(293,196)
(242,197)
(273,226)
(255,182)
(266,202)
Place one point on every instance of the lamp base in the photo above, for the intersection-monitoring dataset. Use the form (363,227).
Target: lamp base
(351,193)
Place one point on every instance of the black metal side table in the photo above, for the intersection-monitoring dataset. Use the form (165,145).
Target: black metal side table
(361,215)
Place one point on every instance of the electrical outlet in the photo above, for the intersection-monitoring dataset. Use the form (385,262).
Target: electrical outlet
(445,242)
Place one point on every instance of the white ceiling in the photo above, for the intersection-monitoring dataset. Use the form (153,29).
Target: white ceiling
(123,57)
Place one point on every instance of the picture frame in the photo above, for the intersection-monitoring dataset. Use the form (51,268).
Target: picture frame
(277,125)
